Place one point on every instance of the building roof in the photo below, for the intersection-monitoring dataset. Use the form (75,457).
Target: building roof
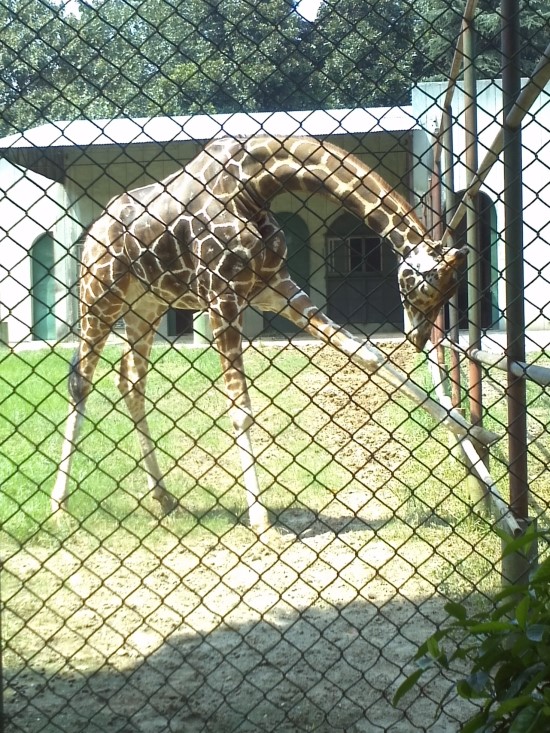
(128,131)
(44,148)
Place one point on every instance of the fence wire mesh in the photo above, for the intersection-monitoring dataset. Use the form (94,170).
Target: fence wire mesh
(161,599)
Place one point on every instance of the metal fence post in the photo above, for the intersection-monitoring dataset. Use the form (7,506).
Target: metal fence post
(518,564)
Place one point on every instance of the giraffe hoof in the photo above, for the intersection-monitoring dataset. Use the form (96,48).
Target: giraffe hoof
(169,504)
(60,515)
(270,543)
(59,509)
(274,539)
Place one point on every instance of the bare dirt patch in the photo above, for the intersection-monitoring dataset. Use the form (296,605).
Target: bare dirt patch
(313,632)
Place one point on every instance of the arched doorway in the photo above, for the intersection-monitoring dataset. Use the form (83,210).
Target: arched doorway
(488,240)
(362,286)
(297,241)
(43,288)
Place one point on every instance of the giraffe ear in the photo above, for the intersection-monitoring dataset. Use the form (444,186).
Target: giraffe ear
(437,247)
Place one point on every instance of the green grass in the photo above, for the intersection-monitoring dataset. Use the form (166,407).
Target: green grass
(327,446)
(302,463)
(188,419)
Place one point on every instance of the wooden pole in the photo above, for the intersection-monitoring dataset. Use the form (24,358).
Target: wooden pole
(450,198)
(477,488)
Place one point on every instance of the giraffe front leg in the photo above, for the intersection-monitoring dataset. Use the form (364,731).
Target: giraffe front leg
(227,332)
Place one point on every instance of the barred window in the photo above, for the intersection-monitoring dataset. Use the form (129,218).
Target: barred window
(354,255)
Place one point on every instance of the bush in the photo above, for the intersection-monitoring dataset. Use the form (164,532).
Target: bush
(506,650)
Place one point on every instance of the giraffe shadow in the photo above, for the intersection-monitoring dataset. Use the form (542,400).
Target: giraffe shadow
(305,523)
(299,523)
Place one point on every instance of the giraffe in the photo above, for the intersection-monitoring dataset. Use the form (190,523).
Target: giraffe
(204,239)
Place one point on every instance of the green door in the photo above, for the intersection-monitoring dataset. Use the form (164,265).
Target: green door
(488,243)
(297,241)
(43,288)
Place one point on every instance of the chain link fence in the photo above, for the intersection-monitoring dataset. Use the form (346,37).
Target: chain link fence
(284,583)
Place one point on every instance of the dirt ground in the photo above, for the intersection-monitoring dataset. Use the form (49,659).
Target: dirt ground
(314,632)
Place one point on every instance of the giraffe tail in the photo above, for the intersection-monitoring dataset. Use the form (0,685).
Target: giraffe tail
(77,391)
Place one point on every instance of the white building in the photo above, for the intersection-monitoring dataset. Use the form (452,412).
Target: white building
(56,179)
(65,173)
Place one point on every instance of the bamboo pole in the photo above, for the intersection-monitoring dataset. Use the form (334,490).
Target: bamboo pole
(456,66)
(538,374)
(476,488)
(505,515)
(476,463)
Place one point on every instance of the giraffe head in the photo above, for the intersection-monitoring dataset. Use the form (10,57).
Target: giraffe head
(427,278)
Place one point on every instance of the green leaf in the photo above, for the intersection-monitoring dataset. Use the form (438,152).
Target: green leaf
(511,592)
(504,675)
(524,682)
(478,681)
(542,573)
(411,680)
(521,543)
(513,704)
(425,662)
(433,647)
(527,721)
(491,627)
(423,648)
(506,608)
(477,724)
(464,689)
(522,610)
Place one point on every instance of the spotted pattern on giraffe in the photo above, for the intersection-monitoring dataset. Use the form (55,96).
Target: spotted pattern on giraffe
(204,238)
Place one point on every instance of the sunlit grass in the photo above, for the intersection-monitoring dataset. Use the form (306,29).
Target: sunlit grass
(189,420)
(301,443)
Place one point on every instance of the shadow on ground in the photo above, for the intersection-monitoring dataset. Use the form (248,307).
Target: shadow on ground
(315,638)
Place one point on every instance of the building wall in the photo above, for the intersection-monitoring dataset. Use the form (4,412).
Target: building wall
(96,175)
(30,206)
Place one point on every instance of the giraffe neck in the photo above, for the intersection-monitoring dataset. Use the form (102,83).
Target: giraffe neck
(268,165)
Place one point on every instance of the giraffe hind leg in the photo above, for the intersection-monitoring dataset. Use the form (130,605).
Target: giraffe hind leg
(141,323)
(100,307)
(81,372)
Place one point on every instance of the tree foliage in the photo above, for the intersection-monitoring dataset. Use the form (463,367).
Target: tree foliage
(108,58)
(442,22)
(364,51)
